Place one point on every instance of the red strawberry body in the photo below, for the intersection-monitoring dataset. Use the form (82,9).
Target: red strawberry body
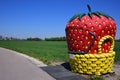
(83,32)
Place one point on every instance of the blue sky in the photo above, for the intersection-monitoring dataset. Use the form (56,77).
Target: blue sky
(48,18)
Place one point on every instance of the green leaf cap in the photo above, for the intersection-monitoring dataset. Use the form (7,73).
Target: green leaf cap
(90,13)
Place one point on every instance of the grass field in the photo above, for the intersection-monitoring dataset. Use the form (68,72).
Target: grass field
(46,51)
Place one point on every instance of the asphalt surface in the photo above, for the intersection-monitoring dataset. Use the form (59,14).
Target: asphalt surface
(16,67)
(62,72)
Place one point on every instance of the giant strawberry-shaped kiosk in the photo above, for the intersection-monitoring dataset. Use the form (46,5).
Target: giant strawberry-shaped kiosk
(90,38)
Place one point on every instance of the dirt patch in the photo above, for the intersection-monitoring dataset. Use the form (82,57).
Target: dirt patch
(115,75)
(56,63)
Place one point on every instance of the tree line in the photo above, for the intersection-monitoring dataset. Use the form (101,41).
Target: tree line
(56,39)
(35,39)
(8,38)
(118,40)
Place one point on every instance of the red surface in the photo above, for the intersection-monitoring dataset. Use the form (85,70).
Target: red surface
(79,38)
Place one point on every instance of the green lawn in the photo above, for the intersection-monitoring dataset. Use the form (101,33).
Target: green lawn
(117,50)
(46,51)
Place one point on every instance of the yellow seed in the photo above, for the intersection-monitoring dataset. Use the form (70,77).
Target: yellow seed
(103,22)
(110,25)
(99,37)
(106,27)
(113,35)
(86,47)
(81,41)
(85,26)
(80,30)
(92,28)
(92,37)
(75,30)
(87,32)
(102,31)
(94,32)
(88,42)
(83,20)
(86,38)
(83,47)
(100,26)
(73,34)
(106,50)
(76,21)
(72,24)
(95,51)
(82,35)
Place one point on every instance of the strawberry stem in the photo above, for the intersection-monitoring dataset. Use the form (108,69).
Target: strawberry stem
(89,8)
(89,13)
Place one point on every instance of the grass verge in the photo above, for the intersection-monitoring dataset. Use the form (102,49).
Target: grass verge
(46,51)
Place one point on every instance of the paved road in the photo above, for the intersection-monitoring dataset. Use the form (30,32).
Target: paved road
(16,67)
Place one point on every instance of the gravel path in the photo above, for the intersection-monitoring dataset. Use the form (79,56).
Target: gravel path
(13,66)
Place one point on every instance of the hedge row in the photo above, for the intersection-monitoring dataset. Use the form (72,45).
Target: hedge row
(56,39)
